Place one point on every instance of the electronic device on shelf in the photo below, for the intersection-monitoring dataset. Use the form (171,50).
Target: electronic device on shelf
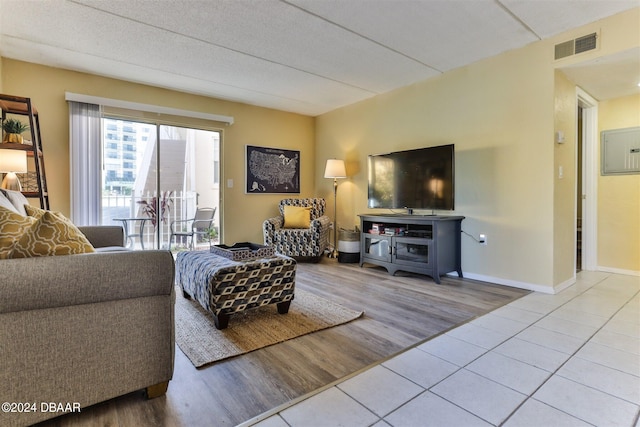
(425,234)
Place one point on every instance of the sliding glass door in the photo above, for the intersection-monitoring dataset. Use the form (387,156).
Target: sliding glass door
(156,176)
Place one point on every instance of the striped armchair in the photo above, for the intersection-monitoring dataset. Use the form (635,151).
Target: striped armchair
(299,243)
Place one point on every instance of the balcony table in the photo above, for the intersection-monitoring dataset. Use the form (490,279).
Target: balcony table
(140,234)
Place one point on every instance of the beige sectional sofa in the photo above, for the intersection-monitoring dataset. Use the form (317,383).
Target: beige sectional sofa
(76,330)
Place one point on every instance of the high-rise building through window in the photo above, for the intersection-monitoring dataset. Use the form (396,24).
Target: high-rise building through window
(124,145)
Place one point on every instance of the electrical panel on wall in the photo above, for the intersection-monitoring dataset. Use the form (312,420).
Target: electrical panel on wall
(620,151)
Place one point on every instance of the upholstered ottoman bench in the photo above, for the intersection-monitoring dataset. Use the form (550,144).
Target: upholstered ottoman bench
(223,286)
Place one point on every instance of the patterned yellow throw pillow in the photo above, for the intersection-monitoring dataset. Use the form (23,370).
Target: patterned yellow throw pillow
(51,234)
(35,212)
(12,227)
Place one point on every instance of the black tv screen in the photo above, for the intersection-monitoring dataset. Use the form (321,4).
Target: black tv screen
(413,179)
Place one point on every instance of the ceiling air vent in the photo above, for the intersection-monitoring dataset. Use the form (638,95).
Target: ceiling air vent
(586,43)
(579,45)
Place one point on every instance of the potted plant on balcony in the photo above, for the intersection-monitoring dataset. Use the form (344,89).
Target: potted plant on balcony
(150,207)
(12,130)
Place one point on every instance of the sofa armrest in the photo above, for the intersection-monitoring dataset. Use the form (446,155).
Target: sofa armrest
(102,236)
(321,223)
(276,222)
(58,281)
(269,227)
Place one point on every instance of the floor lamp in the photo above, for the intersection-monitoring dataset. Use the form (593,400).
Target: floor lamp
(12,161)
(335,169)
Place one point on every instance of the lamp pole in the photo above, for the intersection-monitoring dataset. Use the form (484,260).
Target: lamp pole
(334,252)
(335,169)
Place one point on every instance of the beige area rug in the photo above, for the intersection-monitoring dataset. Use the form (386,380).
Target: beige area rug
(202,343)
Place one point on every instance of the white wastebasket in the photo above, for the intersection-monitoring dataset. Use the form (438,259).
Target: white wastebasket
(348,246)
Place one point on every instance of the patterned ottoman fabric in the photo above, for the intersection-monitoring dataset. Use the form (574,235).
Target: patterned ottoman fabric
(223,286)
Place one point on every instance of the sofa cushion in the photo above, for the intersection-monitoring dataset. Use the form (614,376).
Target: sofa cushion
(51,234)
(12,227)
(297,217)
(6,203)
(17,199)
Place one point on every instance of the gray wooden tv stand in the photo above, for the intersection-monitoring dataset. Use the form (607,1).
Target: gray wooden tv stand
(423,244)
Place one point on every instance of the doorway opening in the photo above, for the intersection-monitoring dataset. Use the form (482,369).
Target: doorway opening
(580,192)
(586,182)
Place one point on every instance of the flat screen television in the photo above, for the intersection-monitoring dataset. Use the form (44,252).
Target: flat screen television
(413,179)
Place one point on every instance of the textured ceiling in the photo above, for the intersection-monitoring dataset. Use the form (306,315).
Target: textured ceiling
(305,56)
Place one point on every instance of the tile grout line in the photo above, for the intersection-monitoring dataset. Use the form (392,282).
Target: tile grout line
(551,373)
(555,372)
(483,354)
(459,368)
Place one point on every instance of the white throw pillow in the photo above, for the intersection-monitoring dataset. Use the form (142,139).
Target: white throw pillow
(6,203)
(18,200)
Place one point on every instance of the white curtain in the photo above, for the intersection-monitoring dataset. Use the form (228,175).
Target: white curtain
(85,150)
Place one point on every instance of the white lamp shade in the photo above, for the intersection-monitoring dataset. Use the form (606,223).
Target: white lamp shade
(13,161)
(335,169)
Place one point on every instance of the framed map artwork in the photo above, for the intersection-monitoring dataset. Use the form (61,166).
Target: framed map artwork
(272,170)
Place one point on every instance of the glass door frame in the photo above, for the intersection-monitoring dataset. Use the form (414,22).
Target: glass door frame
(157,194)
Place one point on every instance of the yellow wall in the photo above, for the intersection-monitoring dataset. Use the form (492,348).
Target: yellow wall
(619,197)
(243,214)
(617,245)
(501,115)
(564,193)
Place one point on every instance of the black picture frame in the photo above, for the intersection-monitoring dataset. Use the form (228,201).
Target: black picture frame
(271,170)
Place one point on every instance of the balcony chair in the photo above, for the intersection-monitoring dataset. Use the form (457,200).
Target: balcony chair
(298,232)
(201,224)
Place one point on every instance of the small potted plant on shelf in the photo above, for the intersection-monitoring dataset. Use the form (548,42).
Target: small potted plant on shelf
(12,130)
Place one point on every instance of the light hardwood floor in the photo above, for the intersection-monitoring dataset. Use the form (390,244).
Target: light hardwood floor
(400,311)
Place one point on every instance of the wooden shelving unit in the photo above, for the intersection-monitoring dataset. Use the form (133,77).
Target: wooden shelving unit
(35,181)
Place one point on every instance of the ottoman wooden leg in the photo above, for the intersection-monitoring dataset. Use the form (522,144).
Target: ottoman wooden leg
(283,307)
(221,320)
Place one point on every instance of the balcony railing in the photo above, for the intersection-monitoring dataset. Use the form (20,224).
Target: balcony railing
(177,206)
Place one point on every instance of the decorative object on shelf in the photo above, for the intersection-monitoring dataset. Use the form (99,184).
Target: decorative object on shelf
(15,113)
(12,161)
(272,170)
(13,129)
(29,181)
(335,169)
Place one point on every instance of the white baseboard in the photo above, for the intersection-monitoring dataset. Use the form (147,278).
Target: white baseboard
(618,271)
(564,285)
(514,283)
(541,288)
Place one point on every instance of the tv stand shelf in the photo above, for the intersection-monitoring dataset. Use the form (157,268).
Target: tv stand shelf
(429,244)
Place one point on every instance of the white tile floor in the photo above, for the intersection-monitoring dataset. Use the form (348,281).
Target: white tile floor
(571,359)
